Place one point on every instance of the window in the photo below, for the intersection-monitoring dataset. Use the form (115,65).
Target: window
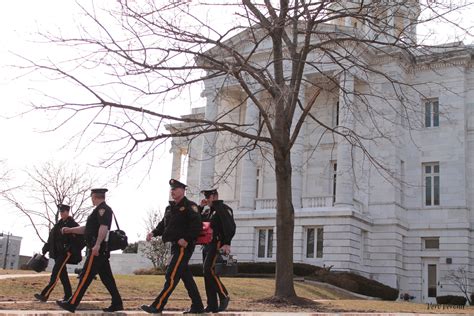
(314,242)
(431,176)
(430,243)
(265,243)
(259,180)
(431,113)
(402,183)
(333,181)
(364,246)
(335,118)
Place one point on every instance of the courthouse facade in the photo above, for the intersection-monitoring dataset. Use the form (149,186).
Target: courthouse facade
(409,233)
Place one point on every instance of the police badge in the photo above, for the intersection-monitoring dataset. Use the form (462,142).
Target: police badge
(182,208)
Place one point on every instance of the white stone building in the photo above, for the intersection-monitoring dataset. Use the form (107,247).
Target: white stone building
(406,234)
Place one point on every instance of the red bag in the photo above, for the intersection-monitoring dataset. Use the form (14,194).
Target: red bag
(205,236)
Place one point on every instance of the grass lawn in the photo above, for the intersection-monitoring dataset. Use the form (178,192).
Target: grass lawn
(246,295)
(8,271)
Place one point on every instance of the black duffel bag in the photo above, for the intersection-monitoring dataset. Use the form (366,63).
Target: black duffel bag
(117,239)
(38,263)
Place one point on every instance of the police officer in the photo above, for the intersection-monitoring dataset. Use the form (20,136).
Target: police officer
(223,229)
(181,226)
(97,261)
(59,247)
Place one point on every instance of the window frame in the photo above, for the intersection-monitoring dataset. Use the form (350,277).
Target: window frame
(434,184)
(317,254)
(433,116)
(266,246)
(425,239)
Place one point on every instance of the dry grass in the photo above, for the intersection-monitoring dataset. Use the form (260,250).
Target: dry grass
(246,295)
(8,271)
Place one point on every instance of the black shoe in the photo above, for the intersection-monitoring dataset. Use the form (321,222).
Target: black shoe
(224,304)
(41,298)
(211,310)
(194,311)
(113,308)
(65,305)
(150,309)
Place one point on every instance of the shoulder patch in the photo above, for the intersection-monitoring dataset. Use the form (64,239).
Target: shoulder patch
(102,212)
(182,208)
(195,208)
(228,211)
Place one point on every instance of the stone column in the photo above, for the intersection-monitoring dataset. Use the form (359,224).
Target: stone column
(208,153)
(344,180)
(176,166)
(248,180)
(297,156)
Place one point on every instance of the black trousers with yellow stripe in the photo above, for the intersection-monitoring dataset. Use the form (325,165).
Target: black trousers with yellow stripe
(96,265)
(179,269)
(214,285)
(59,273)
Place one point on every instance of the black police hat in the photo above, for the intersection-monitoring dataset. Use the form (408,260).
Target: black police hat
(176,184)
(64,207)
(100,190)
(209,192)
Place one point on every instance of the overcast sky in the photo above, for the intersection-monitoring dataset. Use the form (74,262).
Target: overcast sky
(23,144)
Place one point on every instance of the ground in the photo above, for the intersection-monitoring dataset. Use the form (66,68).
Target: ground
(247,294)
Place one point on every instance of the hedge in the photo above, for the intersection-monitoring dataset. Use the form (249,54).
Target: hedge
(451,300)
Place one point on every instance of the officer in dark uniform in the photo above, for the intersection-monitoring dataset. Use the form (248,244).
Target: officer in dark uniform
(59,247)
(223,229)
(181,226)
(97,261)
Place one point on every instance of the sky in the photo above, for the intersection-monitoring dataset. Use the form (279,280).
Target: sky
(24,143)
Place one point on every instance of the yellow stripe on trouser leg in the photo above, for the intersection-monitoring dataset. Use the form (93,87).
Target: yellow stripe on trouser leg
(84,278)
(58,275)
(213,272)
(173,274)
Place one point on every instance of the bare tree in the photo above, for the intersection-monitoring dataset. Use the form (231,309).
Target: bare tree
(5,180)
(151,52)
(461,279)
(46,187)
(156,250)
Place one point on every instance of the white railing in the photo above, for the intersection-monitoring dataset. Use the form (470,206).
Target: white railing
(264,204)
(318,201)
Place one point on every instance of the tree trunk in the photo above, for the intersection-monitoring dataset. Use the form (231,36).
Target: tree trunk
(284,287)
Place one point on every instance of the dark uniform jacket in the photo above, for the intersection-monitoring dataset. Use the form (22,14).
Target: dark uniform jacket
(221,217)
(101,215)
(58,243)
(181,220)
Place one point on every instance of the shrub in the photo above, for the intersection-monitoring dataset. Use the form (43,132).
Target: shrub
(262,268)
(451,300)
(149,271)
(357,284)
(472,298)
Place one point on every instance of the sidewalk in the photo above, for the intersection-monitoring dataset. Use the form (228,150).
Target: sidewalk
(138,313)
(14,276)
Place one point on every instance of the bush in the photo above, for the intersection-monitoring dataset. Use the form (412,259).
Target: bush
(451,300)
(150,271)
(262,269)
(356,283)
(472,298)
